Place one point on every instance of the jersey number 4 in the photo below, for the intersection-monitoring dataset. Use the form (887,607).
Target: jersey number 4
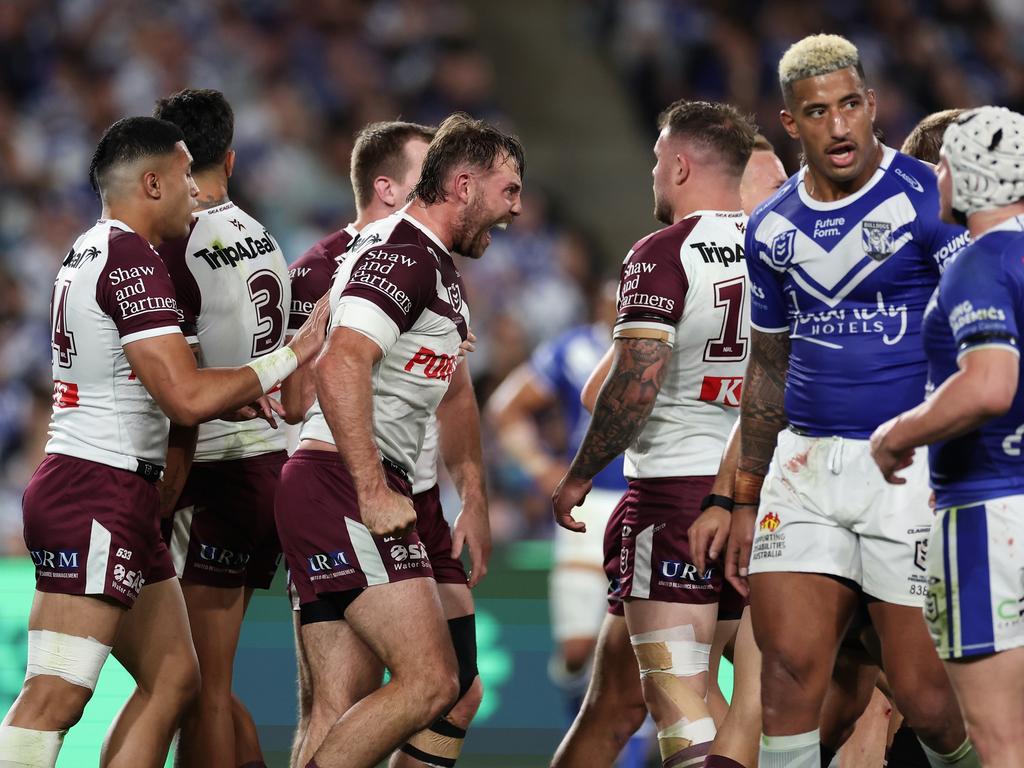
(730,346)
(63,341)
(267,297)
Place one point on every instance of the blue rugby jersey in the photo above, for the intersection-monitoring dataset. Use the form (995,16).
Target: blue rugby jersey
(849,281)
(563,365)
(979,303)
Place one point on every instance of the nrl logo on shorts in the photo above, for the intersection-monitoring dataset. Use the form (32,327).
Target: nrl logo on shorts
(769,522)
(876,237)
(782,248)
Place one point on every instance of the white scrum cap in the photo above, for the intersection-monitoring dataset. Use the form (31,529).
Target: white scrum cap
(985,151)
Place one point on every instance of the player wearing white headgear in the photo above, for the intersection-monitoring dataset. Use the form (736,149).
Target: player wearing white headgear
(973,423)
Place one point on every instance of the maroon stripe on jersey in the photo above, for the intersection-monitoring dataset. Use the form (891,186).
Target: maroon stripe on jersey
(653,284)
(398,278)
(311,275)
(186,290)
(134,287)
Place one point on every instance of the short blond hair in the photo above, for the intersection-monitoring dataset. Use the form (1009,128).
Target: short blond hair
(817,55)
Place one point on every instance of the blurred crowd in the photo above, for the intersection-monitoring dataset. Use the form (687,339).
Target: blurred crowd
(302,77)
(920,56)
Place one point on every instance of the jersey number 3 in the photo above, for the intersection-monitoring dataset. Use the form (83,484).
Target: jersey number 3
(266,293)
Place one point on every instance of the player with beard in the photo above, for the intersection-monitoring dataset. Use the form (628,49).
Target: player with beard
(972,422)
(386,163)
(104,579)
(670,401)
(842,261)
(399,320)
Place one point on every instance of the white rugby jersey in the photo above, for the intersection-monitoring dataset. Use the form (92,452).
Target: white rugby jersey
(232,284)
(425,473)
(112,289)
(688,282)
(400,288)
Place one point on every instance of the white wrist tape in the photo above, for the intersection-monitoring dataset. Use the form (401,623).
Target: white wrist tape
(75,659)
(27,748)
(275,367)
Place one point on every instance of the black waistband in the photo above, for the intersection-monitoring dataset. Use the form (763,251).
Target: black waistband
(148,471)
(395,467)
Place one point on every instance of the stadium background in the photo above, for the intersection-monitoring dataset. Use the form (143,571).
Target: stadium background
(580,81)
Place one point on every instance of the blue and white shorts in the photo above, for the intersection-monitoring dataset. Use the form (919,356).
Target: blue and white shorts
(975,602)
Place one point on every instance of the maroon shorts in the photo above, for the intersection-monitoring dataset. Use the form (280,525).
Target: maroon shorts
(655,562)
(223,532)
(92,529)
(327,547)
(436,536)
(612,556)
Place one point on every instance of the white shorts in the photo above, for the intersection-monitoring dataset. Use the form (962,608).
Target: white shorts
(825,508)
(578,585)
(587,549)
(975,600)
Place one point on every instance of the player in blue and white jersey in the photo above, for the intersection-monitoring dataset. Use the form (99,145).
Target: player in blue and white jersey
(973,421)
(842,261)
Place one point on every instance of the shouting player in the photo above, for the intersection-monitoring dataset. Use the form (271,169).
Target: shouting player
(399,320)
(973,421)
(104,579)
(231,281)
(842,262)
(670,401)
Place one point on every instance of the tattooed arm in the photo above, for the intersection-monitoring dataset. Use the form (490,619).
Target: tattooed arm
(623,406)
(763,416)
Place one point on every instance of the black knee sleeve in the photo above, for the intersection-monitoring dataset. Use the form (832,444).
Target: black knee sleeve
(463,632)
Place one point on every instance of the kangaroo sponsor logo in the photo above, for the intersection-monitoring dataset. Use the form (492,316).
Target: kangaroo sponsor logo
(219,255)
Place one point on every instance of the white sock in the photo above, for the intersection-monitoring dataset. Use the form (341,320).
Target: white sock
(963,757)
(25,748)
(801,750)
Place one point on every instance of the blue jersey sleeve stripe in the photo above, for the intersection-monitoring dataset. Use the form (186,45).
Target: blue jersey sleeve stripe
(978,634)
(1008,346)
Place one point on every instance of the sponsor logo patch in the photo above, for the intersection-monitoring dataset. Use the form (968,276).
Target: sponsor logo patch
(770,522)
(876,238)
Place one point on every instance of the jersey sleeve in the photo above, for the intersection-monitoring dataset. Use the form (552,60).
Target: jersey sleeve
(767,301)
(941,241)
(135,289)
(388,289)
(186,290)
(980,304)
(310,280)
(652,291)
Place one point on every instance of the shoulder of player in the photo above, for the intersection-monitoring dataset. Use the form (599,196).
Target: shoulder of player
(126,247)
(323,252)
(913,175)
(783,196)
(664,242)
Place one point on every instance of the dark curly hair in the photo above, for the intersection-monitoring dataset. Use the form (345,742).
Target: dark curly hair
(206,119)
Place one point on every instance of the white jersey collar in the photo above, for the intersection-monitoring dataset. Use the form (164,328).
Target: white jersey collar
(888,153)
(226,206)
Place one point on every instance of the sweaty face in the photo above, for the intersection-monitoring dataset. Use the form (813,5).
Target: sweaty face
(763,175)
(833,115)
(494,198)
(179,192)
(662,176)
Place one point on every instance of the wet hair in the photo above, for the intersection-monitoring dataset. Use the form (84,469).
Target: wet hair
(128,140)
(761,144)
(206,120)
(719,127)
(817,55)
(380,151)
(925,140)
(463,141)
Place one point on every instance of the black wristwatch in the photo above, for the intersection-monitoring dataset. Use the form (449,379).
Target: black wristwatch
(714,500)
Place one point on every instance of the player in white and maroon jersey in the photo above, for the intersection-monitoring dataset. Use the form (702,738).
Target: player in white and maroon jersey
(399,321)
(386,163)
(92,509)
(670,401)
(231,280)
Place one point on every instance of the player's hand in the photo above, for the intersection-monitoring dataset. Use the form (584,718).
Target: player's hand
(472,530)
(737,551)
(388,513)
(548,478)
(310,337)
(469,345)
(889,460)
(266,408)
(571,492)
(708,536)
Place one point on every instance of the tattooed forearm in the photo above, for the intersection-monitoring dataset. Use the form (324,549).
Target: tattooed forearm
(763,412)
(626,400)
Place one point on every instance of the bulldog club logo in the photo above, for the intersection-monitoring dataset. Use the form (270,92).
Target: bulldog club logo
(769,522)
(876,237)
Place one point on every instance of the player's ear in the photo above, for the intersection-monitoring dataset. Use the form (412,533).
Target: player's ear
(681,171)
(151,185)
(229,163)
(789,124)
(462,186)
(872,103)
(384,189)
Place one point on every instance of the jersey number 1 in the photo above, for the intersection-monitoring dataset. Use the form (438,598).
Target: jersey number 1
(266,293)
(730,346)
